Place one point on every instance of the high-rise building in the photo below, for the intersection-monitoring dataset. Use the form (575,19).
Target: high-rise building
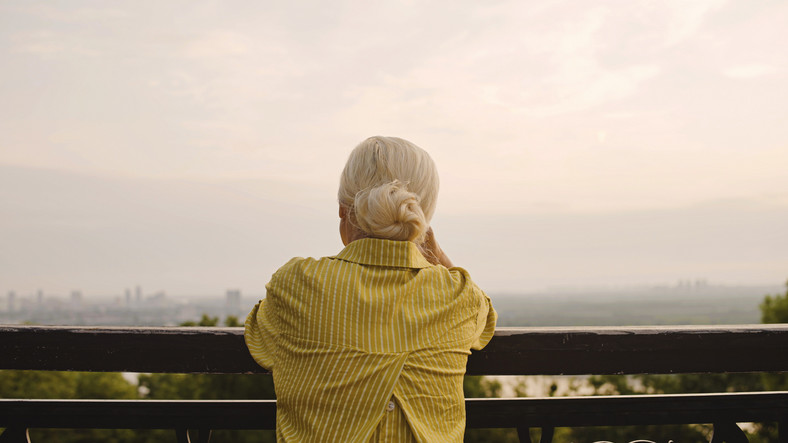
(138,295)
(127,293)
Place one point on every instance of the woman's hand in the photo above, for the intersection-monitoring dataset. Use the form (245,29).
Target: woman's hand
(433,252)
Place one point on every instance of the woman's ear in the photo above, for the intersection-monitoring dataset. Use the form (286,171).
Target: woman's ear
(342,211)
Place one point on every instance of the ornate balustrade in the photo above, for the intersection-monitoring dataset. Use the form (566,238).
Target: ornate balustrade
(513,351)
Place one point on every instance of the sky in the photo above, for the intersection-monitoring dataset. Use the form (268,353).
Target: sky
(195,146)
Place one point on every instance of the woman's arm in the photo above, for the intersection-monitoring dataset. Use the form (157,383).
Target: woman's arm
(260,334)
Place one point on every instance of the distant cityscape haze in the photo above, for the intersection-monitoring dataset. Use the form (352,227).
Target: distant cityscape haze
(687,302)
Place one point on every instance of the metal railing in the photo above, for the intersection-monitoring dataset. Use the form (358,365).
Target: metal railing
(513,351)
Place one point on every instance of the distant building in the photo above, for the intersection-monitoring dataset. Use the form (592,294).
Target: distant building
(232,302)
(127,293)
(40,297)
(76,299)
(138,295)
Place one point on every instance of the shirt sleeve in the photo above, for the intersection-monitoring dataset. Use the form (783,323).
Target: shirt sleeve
(260,334)
(485,321)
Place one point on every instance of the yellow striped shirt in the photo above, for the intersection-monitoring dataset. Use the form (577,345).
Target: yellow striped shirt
(369,345)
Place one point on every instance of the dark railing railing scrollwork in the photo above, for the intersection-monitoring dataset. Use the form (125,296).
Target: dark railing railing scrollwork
(513,351)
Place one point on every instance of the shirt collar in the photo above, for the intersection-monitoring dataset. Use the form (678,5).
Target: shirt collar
(379,252)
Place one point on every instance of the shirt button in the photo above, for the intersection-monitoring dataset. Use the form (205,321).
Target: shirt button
(390,406)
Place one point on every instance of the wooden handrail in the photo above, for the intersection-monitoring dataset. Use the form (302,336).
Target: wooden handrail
(482,412)
(513,351)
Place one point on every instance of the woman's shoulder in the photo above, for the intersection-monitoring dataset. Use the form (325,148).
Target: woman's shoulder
(459,279)
(294,265)
(459,275)
(301,266)
(289,275)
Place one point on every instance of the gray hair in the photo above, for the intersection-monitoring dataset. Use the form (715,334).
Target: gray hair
(390,187)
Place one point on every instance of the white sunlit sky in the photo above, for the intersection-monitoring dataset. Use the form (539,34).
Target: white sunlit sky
(195,146)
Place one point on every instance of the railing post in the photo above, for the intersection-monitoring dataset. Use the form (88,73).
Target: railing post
(547,434)
(182,435)
(15,435)
(203,435)
(728,432)
(524,434)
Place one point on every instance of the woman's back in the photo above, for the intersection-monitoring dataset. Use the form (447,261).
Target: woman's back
(377,324)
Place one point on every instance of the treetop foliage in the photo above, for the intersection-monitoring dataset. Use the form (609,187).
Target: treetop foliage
(774,309)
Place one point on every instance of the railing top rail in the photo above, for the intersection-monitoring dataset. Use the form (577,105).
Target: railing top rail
(513,351)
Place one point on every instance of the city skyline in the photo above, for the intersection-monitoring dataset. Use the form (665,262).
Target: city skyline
(685,302)
(123,296)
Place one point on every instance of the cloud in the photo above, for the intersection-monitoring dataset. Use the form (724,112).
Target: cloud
(218,44)
(688,17)
(52,44)
(749,71)
(503,92)
(53,13)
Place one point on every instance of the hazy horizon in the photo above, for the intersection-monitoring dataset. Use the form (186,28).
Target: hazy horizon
(102,235)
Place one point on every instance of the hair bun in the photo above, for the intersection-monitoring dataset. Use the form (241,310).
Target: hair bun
(390,211)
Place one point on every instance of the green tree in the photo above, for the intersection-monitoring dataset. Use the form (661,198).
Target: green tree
(232,321)
(206,320)
(70,385)
(774,309)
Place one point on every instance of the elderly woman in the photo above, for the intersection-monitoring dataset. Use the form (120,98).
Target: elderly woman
(371,345)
